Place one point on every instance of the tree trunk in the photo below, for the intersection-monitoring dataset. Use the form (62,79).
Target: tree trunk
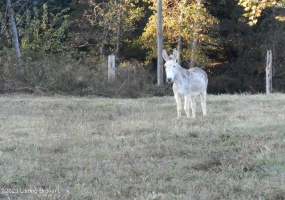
(269,72)
(118,38)
(179,46)
(14,30)
(195,35)
(159,44)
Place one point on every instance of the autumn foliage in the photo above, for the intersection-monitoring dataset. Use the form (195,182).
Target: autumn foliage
(72,39)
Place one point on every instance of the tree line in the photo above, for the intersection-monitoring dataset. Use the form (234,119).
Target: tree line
(63,43)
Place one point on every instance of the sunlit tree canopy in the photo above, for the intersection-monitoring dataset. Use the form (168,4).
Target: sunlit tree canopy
(254,8)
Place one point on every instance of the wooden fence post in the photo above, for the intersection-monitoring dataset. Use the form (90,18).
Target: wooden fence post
(111,68)
(268,70)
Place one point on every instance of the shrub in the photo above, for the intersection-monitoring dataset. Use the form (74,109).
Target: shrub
(132,81)
(44,73)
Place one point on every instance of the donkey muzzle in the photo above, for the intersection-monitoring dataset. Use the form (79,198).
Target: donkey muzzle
(169,80)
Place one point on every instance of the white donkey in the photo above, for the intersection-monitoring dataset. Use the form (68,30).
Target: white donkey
(190,83)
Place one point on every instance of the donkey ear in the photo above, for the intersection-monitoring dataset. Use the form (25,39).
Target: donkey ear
(164,55)
(175,54)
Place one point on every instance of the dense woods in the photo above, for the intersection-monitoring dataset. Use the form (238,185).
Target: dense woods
(64,45)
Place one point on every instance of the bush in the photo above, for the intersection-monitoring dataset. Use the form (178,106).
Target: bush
(52,73)
(45,73)
(132,81)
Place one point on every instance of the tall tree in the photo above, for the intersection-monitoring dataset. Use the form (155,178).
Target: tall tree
(14,30)
(268,17)
(179,45)
(195,34)
(38,26)
(118,37)
(111,22)
(179,26)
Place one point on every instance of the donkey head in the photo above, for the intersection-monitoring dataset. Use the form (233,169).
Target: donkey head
(170,65)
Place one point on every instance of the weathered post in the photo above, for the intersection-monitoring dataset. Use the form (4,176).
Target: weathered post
(111,68)
(268,70)
(159,44)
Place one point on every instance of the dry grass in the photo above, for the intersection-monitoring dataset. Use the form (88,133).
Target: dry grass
(99,148)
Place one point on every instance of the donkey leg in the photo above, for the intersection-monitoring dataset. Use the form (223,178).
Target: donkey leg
(193,106)
(186,105)
(178,102)
(203,102)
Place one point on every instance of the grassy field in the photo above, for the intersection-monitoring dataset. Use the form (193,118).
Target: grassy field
(99,148)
